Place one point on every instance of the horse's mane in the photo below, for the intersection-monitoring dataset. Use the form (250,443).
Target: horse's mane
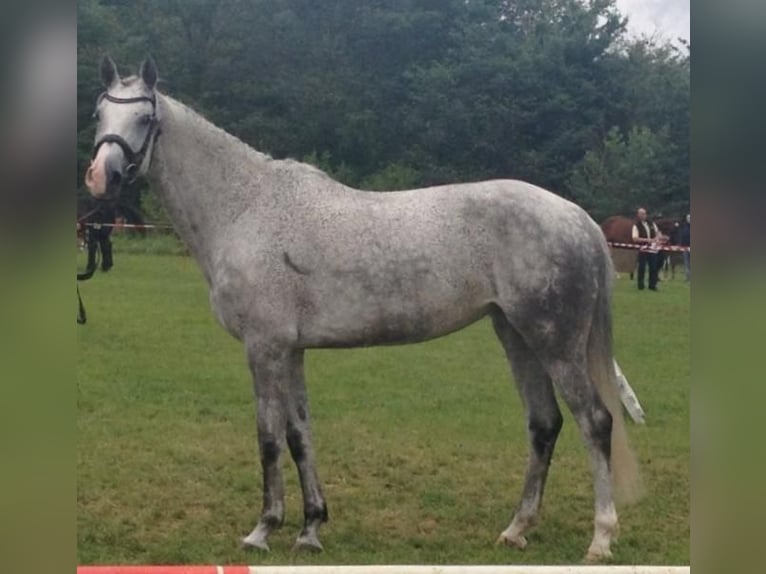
(129,81)
(288,163)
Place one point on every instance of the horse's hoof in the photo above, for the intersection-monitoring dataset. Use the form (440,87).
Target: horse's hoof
(595,555)
(308,544)
(519,542)
(249,543)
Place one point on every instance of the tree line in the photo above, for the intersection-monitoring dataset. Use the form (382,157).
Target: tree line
(392,94)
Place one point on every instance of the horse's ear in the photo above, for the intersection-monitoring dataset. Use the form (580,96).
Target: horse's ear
(108,71)
(148,72)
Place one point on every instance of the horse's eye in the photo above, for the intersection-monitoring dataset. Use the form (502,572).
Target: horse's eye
(96,116)
(144,120)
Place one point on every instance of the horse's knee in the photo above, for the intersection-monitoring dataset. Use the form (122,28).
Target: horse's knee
(601,429)
(543,433)
(269,451)
(296,444)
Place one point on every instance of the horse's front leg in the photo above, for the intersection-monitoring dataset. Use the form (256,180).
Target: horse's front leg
(272,367)
(302,450)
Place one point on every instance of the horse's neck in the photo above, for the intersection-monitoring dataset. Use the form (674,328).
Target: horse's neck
(205,177)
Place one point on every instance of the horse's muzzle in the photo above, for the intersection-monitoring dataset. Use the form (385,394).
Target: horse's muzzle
(108,172)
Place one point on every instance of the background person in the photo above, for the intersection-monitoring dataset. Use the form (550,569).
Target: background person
(646,233)
(684,239)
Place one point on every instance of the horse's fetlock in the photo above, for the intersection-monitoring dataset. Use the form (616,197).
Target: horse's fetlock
(316,513)
(273,521)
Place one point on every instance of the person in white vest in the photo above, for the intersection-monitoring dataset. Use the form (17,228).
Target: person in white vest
(646,233)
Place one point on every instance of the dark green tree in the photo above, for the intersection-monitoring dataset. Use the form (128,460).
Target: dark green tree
(405,93)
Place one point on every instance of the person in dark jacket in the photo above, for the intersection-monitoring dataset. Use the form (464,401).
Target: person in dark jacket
(684,240)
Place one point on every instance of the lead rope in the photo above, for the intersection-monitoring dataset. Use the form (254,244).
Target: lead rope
(82,318)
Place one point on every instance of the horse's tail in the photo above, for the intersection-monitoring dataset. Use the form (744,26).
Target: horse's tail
(601,369)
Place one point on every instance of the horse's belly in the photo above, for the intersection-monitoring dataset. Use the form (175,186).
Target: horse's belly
(352,316)
(389,329)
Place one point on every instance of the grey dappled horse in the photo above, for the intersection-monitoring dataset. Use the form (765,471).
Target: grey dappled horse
(295,260)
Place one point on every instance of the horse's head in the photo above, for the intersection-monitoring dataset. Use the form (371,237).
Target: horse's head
(128,123)
(670,227)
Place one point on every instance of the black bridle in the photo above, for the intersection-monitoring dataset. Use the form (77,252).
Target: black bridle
(135,158)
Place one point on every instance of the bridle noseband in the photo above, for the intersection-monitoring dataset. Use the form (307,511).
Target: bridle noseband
(135,158)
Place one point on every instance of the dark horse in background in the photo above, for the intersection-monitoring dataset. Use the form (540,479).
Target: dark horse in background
(618,229)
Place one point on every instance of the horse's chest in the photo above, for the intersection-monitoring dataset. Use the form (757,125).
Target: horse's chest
(227,310)
(242,303)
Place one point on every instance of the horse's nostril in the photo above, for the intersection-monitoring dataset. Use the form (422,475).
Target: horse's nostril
(115,178)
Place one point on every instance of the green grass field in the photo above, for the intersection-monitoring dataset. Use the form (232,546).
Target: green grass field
(421,448)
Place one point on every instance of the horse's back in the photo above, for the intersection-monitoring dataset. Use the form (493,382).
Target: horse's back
(502,202)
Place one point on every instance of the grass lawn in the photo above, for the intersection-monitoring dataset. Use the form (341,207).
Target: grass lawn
(421,448)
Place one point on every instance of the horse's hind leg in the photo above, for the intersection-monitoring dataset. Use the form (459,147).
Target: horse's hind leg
(302,450)
(544,423)
(570,377)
